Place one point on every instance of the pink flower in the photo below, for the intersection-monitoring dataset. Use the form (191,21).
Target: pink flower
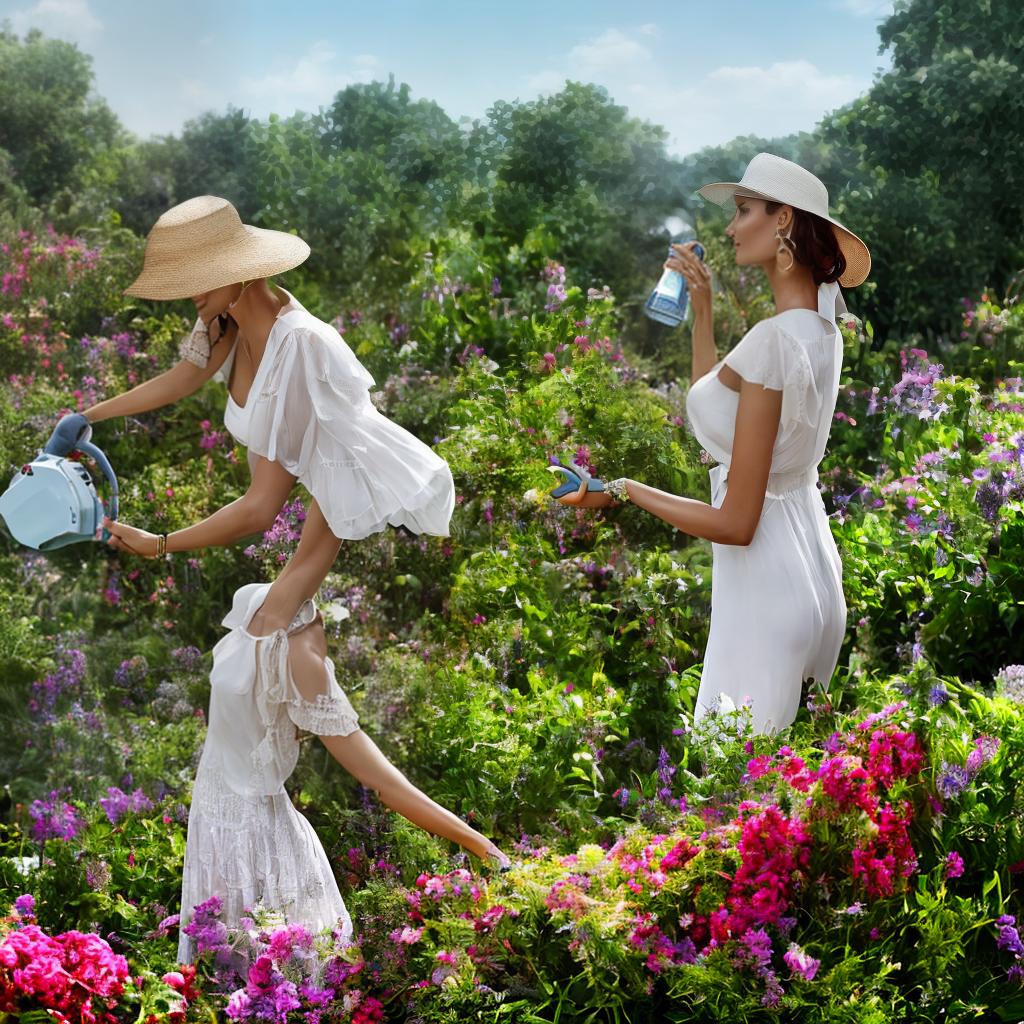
(406,936)
(800,962)
(954,864)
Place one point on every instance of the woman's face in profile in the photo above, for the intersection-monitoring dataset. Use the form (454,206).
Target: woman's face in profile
(752,231)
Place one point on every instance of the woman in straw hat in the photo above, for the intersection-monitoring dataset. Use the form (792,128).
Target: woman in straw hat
(298,399)
(778,614)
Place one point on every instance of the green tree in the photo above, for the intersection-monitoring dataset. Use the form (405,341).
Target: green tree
(52,126)
(940,140)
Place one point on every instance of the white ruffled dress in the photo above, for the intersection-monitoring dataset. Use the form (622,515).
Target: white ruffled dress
(309,409)
(246,841)
(778,613)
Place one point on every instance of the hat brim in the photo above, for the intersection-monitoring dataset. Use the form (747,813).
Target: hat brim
(857,254)
(262,252)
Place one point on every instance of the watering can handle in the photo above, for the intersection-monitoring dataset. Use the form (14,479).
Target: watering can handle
(108,471)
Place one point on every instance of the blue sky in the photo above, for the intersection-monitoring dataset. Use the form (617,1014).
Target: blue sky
(706,71)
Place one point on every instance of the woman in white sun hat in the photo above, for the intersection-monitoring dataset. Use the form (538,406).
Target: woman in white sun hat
(764,411)
(298,399)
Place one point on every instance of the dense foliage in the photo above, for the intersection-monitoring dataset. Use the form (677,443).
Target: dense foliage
(536,670)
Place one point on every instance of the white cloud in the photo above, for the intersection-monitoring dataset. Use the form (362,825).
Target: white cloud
(783,97)
(72,20)
(311,81)
(775,99)
(545,82)
(607,52)
(779,80)
(865,8)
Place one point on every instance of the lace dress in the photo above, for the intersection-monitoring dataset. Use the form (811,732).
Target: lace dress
(778,614)
(246,841)
(308,409)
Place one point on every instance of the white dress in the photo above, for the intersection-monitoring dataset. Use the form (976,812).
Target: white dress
(246,841)
(778,614)
(309,409)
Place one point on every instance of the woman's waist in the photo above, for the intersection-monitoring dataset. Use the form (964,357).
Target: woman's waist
(779,485)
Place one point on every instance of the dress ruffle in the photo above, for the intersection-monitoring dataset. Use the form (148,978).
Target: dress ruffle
(256,850)
(769,356)
(312,413)
(326,713)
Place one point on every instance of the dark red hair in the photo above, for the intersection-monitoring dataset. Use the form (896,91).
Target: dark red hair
(816,245)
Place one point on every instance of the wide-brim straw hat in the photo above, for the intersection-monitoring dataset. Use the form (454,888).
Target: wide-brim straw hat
(202,244)
(772,177)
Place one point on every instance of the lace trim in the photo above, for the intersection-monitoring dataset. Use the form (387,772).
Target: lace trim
(328,716)
(195,347)
(255,850)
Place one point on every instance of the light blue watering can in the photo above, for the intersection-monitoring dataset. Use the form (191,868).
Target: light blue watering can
(52,501)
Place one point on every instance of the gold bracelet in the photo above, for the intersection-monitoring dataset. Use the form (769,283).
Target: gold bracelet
(161,544)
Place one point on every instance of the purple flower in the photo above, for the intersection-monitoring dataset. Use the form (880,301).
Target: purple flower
(938,695)
(54,819)
(205,929)
(25,905)
(954,864)
(188,658)
(984,750)
(1010,682)
(1009,938)
(953,779)
(913,522)
(65,678)
(117,804)
(989,498)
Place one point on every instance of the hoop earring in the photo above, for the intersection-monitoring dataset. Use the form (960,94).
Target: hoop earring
(245,284)
(786,246)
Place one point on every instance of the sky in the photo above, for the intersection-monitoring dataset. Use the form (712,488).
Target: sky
(707,72)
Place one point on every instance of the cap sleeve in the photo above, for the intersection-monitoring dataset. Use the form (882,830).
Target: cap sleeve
(313,415)
(769,356)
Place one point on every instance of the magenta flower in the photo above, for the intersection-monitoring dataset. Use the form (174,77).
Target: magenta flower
(954,864)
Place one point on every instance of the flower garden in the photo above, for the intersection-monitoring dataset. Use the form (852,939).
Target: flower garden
(535,671)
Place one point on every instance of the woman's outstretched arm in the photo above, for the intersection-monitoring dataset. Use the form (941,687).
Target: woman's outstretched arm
(252,513)
(172,385)
(736,521)
(359,755)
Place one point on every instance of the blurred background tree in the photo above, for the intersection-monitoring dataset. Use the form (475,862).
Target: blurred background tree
(377,178)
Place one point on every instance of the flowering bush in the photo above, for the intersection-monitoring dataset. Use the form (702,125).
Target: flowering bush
(535,671)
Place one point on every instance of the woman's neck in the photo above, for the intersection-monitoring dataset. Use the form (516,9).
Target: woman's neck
(256,309)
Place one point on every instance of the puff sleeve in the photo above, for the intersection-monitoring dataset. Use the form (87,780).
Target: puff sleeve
(769,356)
(326,713)
(312,413)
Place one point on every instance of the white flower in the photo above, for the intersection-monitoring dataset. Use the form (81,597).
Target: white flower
(335,611)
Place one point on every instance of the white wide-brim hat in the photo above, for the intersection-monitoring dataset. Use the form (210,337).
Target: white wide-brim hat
(202,244)
(772,177)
